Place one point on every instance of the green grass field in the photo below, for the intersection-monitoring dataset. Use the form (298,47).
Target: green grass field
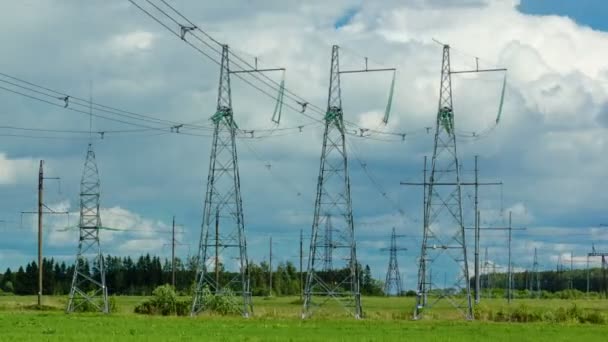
(278,319)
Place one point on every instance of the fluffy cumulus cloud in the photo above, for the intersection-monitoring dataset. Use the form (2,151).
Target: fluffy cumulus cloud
(547,149)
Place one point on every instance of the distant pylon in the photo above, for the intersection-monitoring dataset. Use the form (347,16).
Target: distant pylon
(333,200)
(535,283)
(444,208)
(222,240)
(487,284)
(89,279)
(392,284)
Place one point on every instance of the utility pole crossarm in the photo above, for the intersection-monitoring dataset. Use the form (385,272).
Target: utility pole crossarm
(450,184)
(476,70)
(366,70)
(255,70)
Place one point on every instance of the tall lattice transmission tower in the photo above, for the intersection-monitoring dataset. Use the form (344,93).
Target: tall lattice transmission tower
(444,208)
(222,240)
(392,284)
(89,279)
(333,200)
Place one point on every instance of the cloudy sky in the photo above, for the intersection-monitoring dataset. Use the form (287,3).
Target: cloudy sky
(547,149)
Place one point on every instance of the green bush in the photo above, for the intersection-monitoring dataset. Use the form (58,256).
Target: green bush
(164,302)
(224,303)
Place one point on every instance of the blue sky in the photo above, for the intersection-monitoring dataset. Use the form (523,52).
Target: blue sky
(553,121)
(591,13)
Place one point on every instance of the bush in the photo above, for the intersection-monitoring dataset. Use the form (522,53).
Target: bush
(164,302)
(224,303)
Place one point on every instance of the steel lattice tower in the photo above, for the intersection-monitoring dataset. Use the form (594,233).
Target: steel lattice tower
(333,199)
(89,279)
(535,277)
(392,283)
(486,272)
(222,240)
(444,208)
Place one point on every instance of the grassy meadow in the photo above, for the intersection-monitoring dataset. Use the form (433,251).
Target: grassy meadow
(278,319)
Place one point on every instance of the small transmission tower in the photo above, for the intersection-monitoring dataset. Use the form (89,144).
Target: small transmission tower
(392,284)
(486,272)
(89,279)
(535,277)
(223,230)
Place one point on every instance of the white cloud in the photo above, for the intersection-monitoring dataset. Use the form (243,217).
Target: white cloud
(132,42)
(14,171)
(129,233)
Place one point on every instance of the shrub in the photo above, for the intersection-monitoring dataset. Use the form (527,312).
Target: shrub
(164,302)
(224,303)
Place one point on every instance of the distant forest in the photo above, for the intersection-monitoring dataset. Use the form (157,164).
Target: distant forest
(126,276)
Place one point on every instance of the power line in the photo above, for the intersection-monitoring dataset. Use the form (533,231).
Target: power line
(267,82)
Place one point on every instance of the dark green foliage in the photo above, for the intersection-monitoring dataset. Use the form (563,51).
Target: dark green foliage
(164,302)
(223,304)
(127,276)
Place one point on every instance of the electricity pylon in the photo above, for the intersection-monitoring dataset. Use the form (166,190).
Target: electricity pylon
(535,277)
(222,240)
(392,284)
(89,279)
(443,206)
(444,197)
(486,272)
(333,199)
(596,253)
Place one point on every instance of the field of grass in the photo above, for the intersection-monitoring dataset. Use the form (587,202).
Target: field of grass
(278,319)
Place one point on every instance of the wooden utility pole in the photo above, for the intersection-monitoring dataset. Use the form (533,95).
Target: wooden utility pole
(510,289)
(40,193)
(301,257)
(217,249)
(173,253)
(40,212)
(270,270)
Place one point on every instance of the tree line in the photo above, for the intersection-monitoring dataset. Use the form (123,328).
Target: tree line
(140,276)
